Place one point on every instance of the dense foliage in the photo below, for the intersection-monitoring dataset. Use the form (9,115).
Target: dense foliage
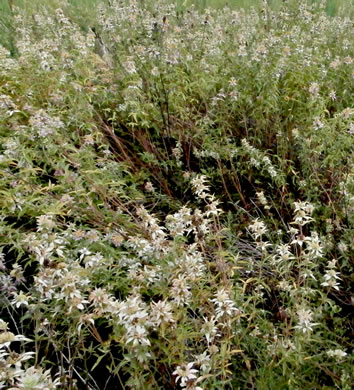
(177,198)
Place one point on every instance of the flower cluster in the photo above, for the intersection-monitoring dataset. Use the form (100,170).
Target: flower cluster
(186,376)
(303,212)
(305,323)
(331,277)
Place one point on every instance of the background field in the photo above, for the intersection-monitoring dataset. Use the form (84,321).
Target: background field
(84,11)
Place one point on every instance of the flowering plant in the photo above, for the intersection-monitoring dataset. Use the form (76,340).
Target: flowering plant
(176,196)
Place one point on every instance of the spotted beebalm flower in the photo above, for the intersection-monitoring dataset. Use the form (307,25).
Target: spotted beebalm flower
(149,187)
(303,212)
(317,123)
(45,222)
(117,239)
(43,124)
(3,325)
(331,276)
(212,208)
(283,252)
(313,245)
(185,373)
(263,245)
(36,378)
(262,199)
(351,128)
(257,228)
(20,299)
(6,338)
(133,310)
(200,188)
(314,89)
(224,305)
(347,112)
(305,323)
(203,361)
(332,95)
(177,152)
(180,290)
(161,313)
(180,222)
(210,329)
(338,354)
(137,335)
